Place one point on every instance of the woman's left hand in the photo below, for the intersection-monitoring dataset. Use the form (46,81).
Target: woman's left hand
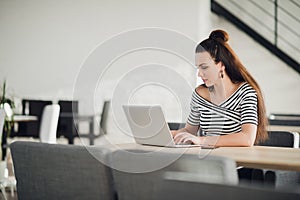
(187,138)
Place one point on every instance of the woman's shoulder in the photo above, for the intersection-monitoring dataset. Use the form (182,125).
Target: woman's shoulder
(202,91)
(246,87)
(246,90)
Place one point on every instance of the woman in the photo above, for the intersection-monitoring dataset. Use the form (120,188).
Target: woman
(229,104)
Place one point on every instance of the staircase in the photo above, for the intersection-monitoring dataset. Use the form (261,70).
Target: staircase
(275,24)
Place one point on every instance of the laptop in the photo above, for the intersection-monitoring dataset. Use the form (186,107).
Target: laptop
(149,127)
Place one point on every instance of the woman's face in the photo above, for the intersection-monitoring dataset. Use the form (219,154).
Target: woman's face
(208,71)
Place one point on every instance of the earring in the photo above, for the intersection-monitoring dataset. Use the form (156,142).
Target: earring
(222,75)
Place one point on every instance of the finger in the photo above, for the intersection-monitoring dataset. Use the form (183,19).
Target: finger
(178,137)
(179,134)
(188,140)
(182,139)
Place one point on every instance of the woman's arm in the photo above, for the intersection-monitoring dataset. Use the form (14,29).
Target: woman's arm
(244,138)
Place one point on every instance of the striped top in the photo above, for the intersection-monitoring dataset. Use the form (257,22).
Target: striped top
(227,117)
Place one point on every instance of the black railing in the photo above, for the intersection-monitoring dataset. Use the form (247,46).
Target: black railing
(286,47)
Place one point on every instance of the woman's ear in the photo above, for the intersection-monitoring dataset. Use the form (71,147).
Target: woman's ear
(222,69)
(221,66)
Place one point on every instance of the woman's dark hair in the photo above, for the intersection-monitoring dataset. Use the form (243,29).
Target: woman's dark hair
(220,51)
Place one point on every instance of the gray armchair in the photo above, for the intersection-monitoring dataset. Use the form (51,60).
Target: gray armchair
(138,174)
(54,171)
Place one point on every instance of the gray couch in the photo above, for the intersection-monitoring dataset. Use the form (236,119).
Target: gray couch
(54,171)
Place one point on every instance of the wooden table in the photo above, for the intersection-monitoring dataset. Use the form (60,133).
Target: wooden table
(262,157)
(253,157)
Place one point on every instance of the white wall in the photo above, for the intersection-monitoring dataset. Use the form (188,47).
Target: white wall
(45,42)
(45,45)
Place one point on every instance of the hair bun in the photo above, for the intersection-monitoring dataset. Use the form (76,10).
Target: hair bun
(219,35)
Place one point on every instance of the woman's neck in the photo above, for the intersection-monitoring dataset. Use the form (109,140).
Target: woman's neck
(222,90)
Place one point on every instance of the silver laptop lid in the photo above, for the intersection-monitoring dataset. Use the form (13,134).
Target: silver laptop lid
(148,125)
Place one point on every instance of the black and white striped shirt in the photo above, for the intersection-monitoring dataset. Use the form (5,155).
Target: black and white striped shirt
(227,117)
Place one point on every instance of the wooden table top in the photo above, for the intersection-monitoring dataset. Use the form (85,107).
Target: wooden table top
(254,157)
(263,157)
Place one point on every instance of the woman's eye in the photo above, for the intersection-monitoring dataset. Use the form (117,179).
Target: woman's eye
(203,67)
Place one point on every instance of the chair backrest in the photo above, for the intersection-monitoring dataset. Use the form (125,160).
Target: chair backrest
(66,123)
(282,139)
(131,183)
(49,123)
(56,171)
(68,106)
(34,107)
(104,117)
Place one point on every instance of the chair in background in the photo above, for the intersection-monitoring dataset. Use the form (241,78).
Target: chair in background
(70,120)
(279,178)
(35,108)
(56,171)
(49,123)
(66,123)
(134,184)
(282,139)
(90,119)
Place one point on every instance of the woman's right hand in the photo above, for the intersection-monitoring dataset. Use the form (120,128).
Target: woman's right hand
(187,138)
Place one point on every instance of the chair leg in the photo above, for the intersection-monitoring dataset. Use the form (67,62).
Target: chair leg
(270,179)
(257,176)
(3,192)
(12,189)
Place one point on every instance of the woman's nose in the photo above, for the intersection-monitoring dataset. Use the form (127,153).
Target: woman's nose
(200,73)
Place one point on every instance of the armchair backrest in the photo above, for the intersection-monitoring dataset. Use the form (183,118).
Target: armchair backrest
(138,174)
(55,171)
